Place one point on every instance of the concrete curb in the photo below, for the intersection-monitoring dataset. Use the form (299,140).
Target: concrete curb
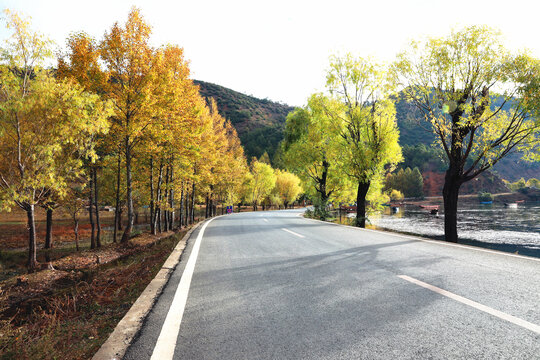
(116,345)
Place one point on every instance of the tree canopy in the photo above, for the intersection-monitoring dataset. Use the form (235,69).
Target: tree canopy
(451,80)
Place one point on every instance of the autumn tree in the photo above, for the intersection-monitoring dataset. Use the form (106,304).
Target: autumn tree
(477,96)
(258,183)
(129,61)
(81,64)
(365,116)
(45,126)
(287,187)
(169,143)
(233,167)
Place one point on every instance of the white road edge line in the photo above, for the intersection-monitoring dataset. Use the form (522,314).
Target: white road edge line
(514,320)
(444,243)
(166,342)
(292,232)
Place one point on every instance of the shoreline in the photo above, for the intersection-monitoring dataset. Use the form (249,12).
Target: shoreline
(509,248)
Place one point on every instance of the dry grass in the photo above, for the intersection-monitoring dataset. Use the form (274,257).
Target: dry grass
(68,314)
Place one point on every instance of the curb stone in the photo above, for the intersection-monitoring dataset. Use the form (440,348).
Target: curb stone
(125,331)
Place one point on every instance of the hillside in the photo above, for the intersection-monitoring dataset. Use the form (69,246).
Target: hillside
(413,131)
(259,122)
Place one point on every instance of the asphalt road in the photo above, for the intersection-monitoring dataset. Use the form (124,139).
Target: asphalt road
(272,285)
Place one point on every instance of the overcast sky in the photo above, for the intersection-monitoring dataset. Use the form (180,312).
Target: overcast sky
(279,49)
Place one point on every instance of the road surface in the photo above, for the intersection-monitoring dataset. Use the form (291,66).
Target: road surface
(273,285)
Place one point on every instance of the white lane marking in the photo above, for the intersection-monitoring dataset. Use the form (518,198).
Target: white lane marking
(166,342)
(292,232)
(265,220)
(444,243)
(514,320)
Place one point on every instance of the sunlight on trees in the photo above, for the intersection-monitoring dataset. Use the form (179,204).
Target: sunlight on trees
(479,99)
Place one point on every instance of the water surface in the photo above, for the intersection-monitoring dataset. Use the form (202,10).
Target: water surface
(492,225)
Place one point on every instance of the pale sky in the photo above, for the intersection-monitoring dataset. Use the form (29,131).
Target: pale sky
(279,49)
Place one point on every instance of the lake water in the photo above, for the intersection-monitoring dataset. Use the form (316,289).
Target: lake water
(493,226)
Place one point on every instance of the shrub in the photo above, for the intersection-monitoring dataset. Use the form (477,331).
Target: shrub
(396,195)
(484,197)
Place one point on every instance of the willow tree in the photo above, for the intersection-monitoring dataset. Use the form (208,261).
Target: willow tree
(46,126)
(310,151)
(129,66)
(476,95)
(366,121)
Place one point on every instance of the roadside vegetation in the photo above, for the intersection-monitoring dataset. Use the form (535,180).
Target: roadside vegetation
(106,159)
(480,101)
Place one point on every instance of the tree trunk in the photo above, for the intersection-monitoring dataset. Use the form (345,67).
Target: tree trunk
(206,207)
(450,197)
(157,211)
(152,202)
(91,212)
(129,226)
(187,215)
(192,205)
(96,200)
(76,231)
(159,228)
(322,192)
(48,234)
(171,198)
(166,200)
(182,205)
(363,188)
(120,212)
(31,224)
(117,220)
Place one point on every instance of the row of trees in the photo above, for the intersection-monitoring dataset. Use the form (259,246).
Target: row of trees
(522,184)
(265,186)
(348,136)
(119,123)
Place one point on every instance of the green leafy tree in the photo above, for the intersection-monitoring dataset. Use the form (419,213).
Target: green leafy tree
(451,80)
(366,118)
(310,151)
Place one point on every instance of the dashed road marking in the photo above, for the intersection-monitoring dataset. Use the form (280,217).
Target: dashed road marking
(292,232)
(501,315)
